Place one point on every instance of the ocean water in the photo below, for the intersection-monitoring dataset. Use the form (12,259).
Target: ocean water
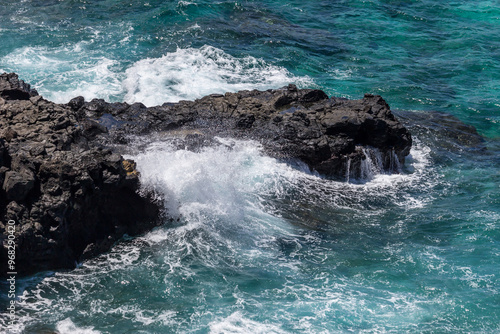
(263,246)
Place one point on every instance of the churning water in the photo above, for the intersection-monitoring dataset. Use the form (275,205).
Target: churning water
(258,245)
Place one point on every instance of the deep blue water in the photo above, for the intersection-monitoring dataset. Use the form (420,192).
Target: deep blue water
(262,246)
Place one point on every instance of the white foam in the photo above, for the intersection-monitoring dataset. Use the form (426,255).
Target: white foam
(185,3)
(237,323)
(62,73)
(214,179)
(142,314)
(400,185)
(233,189)
(192,73)
(121,256)
(67,326)
(224,195)
(217,195)
(341,74)
(220,181)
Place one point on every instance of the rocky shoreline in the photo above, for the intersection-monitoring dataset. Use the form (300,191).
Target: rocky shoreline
(69,197)
(72,195)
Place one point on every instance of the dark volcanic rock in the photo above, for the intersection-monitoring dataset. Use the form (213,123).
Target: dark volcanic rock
(17,185)
(328,134)
(71,195)
(11,88)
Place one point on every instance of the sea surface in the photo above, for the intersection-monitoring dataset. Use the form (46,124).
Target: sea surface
(259,245)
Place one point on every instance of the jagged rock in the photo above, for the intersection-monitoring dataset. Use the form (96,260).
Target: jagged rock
(72,196)
(17,185)
(62,188)
(76,103)
(130,167)
(326,133)
(11,88)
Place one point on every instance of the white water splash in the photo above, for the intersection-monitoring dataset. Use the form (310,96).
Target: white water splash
(67,326)
(223,179)
(62,73)
(219,180)
(189,74)
(372,164)
(59,74)
(236,323)
(229,199)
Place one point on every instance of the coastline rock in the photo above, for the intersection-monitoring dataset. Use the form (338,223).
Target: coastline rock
(11,88)
(72,195)
(331,135)
(69,197)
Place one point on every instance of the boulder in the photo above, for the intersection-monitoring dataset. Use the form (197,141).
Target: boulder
(17,185)
(11,88)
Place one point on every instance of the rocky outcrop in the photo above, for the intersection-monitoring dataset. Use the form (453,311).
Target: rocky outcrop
(328,134)
(71,195)
(11,88)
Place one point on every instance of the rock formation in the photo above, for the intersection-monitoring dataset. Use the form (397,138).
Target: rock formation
(69,197)
(72,195)
(325,133)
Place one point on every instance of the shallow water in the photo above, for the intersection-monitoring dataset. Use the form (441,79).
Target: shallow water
(264,246)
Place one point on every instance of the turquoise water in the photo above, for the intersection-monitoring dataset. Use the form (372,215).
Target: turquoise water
(261,246)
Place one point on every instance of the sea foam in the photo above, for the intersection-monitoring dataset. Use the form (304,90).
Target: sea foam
(61,73)
(237,215)
(187,74)
(67,326)
(237,323)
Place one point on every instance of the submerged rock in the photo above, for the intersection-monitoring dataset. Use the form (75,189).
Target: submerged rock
(71,195)
(449,132)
